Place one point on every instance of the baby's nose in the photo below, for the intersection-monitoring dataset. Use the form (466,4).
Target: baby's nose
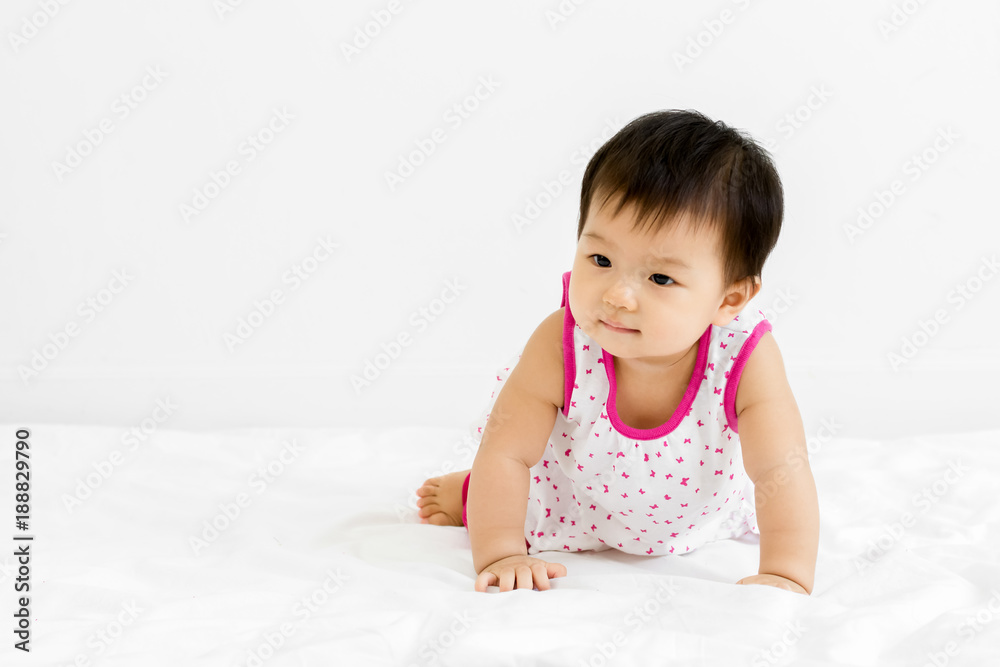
(621,294)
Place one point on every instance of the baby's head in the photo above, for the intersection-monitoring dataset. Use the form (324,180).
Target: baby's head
(675,184)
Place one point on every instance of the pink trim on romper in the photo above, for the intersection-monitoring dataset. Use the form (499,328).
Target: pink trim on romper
(733,381)
(697,375)
(569,348)
(465,496)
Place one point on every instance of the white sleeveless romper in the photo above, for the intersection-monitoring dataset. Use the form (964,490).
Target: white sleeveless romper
(602,484)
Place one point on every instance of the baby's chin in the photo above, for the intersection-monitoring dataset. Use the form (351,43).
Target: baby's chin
(617,344)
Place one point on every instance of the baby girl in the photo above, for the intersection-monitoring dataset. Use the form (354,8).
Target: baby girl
(650,413)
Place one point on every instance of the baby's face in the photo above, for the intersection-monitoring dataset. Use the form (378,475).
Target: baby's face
(664,288)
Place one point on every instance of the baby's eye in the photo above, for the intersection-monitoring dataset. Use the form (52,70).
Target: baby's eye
(604,258)
(657,276)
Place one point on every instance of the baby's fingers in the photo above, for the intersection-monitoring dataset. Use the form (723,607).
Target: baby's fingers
(507,576)
(524,574)
(520,575)
(539,570)
(485,579)
(555,570)
(544,571)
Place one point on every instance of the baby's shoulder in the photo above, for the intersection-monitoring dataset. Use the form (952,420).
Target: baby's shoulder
(541,363)
(763,376)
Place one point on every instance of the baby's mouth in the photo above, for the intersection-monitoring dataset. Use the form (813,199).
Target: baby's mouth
(617,328)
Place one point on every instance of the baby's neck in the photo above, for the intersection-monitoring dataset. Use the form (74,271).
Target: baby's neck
(644,370)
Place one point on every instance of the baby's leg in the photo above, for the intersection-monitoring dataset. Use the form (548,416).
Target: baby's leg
(440,499)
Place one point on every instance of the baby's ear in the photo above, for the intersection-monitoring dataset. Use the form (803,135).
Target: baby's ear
(752,287)
(742,291)
(739,295)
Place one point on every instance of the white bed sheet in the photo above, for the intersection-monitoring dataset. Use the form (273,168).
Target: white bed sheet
(116,581)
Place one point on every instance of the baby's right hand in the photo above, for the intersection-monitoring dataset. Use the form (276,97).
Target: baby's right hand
(529,572)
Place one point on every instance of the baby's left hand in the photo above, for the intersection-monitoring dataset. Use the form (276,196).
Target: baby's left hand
(773,580)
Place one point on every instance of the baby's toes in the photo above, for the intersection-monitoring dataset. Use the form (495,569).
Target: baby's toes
(430,487)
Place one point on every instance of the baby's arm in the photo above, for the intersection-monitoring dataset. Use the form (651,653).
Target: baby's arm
(514,440)
(775,457)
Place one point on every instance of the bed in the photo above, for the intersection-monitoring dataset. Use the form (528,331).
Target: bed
(303,547)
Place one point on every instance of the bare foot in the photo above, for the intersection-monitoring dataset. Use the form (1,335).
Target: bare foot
(440,499)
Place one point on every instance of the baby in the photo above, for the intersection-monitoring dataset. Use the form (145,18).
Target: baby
(650,413)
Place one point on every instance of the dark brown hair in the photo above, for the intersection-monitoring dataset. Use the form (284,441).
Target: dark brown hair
(675,163)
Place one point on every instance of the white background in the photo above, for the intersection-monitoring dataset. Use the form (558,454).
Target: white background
(839,306)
